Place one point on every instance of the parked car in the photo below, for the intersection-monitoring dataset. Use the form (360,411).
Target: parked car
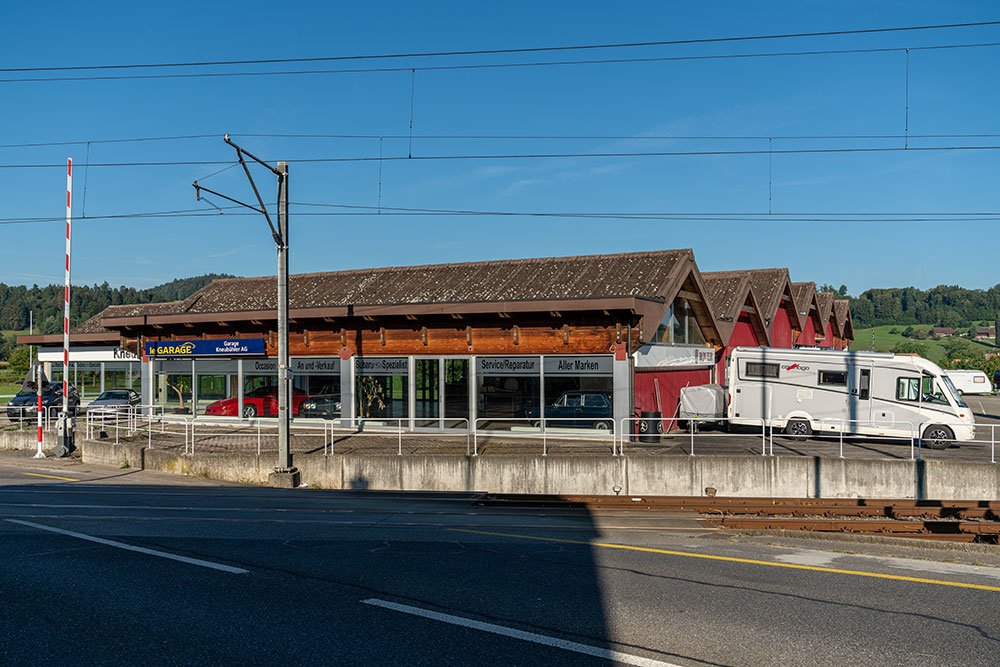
(324,405)
(578,409)
(25,404)
(259,402)
(114,401)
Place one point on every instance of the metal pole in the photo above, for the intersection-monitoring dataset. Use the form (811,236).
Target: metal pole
(284,412)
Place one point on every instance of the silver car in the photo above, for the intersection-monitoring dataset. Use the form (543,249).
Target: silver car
(114,401)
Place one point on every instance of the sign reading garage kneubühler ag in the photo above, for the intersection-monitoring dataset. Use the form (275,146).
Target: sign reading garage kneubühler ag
(508,365)
(222,347)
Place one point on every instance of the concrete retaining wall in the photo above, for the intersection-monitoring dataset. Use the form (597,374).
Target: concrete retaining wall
(748,476)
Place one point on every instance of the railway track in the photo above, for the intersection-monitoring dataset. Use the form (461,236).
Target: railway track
(952,520)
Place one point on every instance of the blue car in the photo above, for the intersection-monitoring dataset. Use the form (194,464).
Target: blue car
(578,409)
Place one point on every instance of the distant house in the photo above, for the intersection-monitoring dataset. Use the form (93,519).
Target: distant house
(942,331)
(983,333)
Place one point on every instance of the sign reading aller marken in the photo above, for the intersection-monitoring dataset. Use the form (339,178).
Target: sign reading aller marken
(601,364)
(381,365)
(222,347)
(508,366)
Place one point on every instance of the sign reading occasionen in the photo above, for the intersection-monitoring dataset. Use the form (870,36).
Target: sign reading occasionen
(222,347)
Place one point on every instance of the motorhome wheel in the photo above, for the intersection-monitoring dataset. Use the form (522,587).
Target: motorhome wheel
(798,427)
(938,437)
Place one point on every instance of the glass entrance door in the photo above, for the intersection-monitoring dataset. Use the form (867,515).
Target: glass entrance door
(456,393)
(427,393)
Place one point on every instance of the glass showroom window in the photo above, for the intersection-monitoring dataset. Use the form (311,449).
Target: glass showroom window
(216,382)
(382,387)
(508,392)
(317,381)
(579,392)
(122,375)
(173,385)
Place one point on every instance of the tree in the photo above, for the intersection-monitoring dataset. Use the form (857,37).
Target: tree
(20,361)
(972,332)
(908,332)
(910,347)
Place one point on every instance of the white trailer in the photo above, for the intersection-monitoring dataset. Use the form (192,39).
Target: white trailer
(857,393)
(970,381)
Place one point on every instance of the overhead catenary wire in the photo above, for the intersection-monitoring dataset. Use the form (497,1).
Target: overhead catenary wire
(505,137)
(501,65)
(577,47)
(534,156)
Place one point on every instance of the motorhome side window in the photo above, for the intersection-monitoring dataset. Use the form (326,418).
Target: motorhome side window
(758,370)
(907,389)
(833,377)
(933,393)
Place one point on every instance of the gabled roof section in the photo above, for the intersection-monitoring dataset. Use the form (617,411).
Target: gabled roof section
(769,287)
(90,332)
(807,304)
(824,306)
(730,292)
(842,310)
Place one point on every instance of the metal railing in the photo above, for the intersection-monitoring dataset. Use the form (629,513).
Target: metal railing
(539,425)
(690,430)
(380,427)
(838,429)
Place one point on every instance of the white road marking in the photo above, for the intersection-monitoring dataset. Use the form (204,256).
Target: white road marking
(606,654)
(816,558)
(129,547)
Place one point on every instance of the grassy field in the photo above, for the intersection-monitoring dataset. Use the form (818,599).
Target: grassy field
(884,341)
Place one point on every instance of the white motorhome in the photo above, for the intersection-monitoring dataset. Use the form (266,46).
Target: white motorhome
(970,381)
(859,393)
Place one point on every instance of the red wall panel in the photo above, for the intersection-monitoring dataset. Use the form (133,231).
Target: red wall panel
(781,328)
(670,384)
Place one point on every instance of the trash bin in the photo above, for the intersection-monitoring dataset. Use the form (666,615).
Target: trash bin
(650,426)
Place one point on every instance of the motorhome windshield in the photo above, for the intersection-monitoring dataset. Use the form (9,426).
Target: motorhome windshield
(955,396)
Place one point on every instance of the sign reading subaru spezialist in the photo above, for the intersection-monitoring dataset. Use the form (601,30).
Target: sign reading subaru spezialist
(222,347)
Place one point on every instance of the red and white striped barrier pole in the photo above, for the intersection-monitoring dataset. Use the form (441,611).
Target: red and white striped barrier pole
(38,390)
(69,236)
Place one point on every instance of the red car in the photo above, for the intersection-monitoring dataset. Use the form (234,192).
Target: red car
(262,401)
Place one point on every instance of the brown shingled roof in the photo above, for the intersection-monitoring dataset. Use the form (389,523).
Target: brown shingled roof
(842,310)
(824,305)
(728,292)
(805,296)
(769,288)
(643,274)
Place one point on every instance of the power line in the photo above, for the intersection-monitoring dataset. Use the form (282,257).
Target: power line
(550,63)
(580,47)
(505,137)
(533,156)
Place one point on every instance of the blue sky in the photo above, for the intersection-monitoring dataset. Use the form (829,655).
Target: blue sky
(950,92)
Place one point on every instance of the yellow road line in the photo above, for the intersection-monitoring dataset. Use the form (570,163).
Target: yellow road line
(33,474)
(814,568)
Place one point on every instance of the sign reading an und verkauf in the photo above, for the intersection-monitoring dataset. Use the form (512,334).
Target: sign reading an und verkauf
(222,347)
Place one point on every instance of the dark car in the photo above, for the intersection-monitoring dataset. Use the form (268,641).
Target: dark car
(324,405)
(579,409)
(114,400)
(25,404)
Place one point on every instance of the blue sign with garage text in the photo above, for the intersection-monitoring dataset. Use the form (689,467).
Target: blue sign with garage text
(222,347)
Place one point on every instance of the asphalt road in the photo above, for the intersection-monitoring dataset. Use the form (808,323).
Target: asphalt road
(192,572)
